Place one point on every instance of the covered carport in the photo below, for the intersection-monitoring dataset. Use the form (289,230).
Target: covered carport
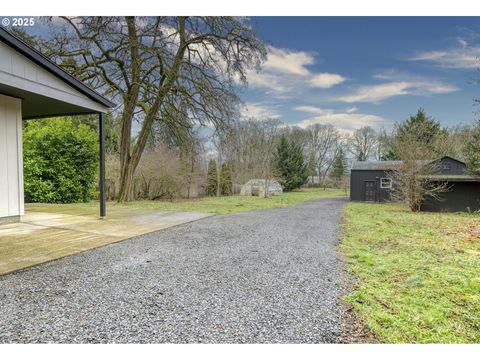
(32,87)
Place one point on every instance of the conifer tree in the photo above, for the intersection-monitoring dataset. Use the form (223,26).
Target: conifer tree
(339,168)
(291,164)
(472,151)
(212,182)
(225,180)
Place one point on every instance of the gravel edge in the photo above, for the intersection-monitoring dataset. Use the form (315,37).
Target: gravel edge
(353,329)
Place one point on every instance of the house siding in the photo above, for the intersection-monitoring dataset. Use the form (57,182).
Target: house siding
(11,165)
(462,196)
(357,184)
(449,166)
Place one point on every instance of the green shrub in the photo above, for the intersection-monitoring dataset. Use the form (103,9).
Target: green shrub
(60,161)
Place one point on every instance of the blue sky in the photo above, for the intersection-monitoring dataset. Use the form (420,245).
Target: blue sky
(356,71)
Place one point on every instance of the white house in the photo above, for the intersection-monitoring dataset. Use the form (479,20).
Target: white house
(32,86)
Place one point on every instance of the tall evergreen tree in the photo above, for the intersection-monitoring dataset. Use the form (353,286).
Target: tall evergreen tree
(472,151)
(212,182)
(291,164)
(339,168)
(418,129)
(423,126)
(225,180)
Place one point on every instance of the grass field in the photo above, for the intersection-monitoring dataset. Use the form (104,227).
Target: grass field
(216,205)
(419,273)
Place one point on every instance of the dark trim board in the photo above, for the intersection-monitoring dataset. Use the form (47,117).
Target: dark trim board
(101,180)
(58,115)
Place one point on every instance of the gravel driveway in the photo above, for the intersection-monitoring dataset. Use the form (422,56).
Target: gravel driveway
(260,277)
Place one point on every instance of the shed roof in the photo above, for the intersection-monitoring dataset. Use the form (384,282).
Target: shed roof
(376,165)
(390,164)
(453,178)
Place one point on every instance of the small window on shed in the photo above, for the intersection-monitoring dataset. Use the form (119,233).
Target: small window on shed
(385,183)
(446,166)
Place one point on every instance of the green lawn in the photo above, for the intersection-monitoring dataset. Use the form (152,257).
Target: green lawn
(217,205)
(419,273)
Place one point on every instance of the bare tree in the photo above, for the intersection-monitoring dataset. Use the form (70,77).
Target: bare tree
(362,143)
(414,177)
(323,145)
(382,145)
(251,150)
(297,135)
(414,181)
(177,70)
(190,160)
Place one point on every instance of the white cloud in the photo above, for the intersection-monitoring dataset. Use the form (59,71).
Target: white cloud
(326,80)
(311,109)
(398,84)
(287,70)
(265,80)
(375,93)
(346,121)
(463,56)
(259,111)
(288,61)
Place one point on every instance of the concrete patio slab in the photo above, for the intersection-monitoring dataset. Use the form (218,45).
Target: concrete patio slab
(46,236)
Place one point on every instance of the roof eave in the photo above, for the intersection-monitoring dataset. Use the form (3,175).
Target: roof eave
(38,58)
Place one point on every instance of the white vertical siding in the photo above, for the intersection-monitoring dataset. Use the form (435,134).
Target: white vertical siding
(3,159)
(21,195)
(11,157)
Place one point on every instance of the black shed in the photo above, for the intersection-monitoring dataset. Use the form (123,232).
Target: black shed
(463,194)
(370,180)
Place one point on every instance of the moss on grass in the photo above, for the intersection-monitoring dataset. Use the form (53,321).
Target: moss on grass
(419,272)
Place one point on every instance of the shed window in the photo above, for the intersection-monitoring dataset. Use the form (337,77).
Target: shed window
(385,183)
(446,166)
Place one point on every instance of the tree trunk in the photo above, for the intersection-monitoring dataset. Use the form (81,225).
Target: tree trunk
(129,159)
(130,102)
(126,182)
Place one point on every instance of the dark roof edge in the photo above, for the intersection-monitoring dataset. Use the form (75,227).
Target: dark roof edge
(460,161)
(38,58)
(447,179)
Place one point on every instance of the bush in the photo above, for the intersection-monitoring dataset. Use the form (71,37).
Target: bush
(159,175)
(60,161)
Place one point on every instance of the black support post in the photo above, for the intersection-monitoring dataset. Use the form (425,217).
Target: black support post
(101,180)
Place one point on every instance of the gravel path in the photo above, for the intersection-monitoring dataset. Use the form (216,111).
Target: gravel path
(260,277)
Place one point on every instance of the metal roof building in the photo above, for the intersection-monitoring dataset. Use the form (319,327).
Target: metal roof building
(372,180)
